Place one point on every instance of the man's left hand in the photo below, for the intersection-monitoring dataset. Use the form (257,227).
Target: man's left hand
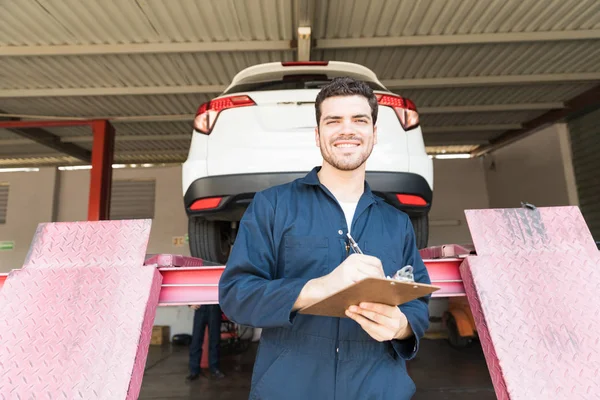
(380,321)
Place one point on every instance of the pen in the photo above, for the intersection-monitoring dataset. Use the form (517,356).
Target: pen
(354,245)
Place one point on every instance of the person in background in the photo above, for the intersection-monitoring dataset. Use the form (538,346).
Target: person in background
(205,315)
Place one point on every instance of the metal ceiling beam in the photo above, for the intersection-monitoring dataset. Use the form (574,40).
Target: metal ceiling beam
(462,81)
(416,83)
(112,91)
(39,135)
(437,141)
(145,48)
(469,128)
(587,100)
(133,138)
(117,119)
(54,142)
(117,156)
(89,139)
(283,45)
(489,108)
(474,38)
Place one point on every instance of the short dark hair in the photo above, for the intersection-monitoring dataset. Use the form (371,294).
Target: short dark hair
(346,86)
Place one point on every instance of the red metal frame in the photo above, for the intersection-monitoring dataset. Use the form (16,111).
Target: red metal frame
(102,158)
(101,178)
(45,124)
(199,285)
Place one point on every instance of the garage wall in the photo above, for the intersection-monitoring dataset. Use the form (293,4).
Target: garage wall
(459,185)
(169,217)
(536,170)
(30,201)
(585,143)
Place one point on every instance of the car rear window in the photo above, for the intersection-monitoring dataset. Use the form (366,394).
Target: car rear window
(290,82)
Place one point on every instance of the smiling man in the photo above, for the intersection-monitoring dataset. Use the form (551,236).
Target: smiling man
(292,250)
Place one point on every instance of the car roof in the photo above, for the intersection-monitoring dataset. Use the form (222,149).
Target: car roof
(276,70)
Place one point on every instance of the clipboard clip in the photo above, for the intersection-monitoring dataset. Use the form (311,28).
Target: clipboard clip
(404,274)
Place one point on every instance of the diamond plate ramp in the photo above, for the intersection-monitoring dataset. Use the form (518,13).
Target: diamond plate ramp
(78,332)
(80,244)
(533,299)
(525,231)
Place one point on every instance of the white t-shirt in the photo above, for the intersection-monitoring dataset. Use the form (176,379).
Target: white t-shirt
(349,209)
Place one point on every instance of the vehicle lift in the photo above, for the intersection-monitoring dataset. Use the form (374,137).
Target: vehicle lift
(76,320)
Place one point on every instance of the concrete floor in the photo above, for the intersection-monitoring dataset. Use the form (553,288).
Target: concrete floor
(439,371)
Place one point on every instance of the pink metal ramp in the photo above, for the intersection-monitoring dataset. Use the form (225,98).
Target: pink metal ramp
(532,289)
(76,321)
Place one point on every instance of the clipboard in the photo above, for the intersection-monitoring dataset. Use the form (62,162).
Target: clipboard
(373,290)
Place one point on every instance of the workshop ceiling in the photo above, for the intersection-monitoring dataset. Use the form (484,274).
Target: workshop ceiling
(478,70)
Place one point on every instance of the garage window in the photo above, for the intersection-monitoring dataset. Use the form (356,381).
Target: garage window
(3,201)
(132,199)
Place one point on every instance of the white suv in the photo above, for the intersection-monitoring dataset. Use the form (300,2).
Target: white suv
(260,133)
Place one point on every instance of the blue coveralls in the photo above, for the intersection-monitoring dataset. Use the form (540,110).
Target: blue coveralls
(289,235)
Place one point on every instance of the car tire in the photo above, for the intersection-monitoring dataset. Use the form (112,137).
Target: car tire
(209,240)
(421,226)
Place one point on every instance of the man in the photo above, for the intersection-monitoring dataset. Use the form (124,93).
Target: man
(205,315)
(291,250)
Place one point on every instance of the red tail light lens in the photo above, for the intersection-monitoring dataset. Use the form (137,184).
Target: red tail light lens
(206,204)
(411,200)
(208,112)
(405,110)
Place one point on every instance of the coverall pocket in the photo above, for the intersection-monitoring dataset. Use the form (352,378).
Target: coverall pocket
(270,366)
(306,256)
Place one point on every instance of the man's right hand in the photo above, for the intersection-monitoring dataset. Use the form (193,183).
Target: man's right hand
(355,268)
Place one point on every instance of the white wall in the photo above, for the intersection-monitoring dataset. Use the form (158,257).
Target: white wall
(30,202)
(536,169)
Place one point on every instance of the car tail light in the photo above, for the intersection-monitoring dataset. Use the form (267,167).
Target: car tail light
(206,204)
(305,63)
(405,110)
(208,112)
(411,200)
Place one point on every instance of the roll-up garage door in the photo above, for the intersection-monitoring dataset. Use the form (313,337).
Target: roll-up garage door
(132,199)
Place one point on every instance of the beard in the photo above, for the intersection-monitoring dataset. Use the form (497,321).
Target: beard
(348,161)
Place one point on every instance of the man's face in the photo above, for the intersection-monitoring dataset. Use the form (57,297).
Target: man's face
(346,134)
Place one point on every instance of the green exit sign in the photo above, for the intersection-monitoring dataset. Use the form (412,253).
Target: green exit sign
(5,246)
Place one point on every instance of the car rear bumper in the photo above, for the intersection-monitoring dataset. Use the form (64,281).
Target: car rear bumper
(237,191)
